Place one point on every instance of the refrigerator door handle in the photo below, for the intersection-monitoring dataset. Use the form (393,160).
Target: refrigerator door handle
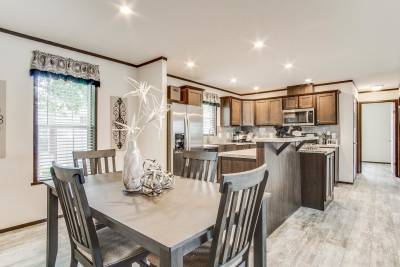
(186,128)
(188,132)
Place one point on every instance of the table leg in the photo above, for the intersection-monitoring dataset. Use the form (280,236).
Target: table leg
(171,258)
(52,228)
(260,237)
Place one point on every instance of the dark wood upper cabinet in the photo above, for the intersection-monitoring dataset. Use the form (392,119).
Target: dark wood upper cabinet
(261,112)
(326,109)
(275,113)
(247,113)
(306,101)
(231,111)
(291,102)
(192,95)
(268,112)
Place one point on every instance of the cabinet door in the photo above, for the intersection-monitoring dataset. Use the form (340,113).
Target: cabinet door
(236,111)
(290,102)
(326,108)
(195,97)
(248,113)
(261,115)
(306,101)
(275,112)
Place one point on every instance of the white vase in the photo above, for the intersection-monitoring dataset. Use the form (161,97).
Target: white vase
(133,167)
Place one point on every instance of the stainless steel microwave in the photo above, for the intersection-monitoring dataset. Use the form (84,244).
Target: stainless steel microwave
(298,117)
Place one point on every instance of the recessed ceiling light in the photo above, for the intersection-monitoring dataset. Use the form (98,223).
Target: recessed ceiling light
(190,64)
(256,88)
(233,80)
(377,87)
(308,80)
(288,66)
(126,10)
(258,44)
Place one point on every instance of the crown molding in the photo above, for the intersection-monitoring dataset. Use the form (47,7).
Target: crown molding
(78,50)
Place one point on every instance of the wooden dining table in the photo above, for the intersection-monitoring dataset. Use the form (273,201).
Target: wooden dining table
(169,225)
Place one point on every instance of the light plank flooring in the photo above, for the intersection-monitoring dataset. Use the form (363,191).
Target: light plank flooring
(360,228)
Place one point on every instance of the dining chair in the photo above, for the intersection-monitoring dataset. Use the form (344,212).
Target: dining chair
(200,165)
(88,246)
(241,198)
(95,158)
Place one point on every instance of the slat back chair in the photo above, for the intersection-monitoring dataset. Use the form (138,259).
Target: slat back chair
(241,199)
(88,246)
(200,165)
(95,158)
(76,210)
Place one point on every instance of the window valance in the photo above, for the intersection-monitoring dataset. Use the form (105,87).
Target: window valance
(67,67)
(211,98)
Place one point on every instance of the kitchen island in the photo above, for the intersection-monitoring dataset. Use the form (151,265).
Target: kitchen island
(236,161)
(284,182)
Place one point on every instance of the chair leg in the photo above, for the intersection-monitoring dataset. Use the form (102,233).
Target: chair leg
(73,262)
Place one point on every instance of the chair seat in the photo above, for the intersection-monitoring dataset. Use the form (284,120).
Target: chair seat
(115,247)
(198,258)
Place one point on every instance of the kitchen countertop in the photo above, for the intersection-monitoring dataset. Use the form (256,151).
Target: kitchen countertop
(284,139)
(232,143)
(243,154)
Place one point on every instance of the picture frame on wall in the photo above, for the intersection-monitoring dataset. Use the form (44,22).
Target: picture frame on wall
(119,113)
(2,119)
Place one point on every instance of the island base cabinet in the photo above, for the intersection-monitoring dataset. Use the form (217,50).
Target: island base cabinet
(233,165)
(317,179)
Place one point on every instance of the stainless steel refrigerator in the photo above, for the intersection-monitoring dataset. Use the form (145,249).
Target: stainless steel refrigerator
(185,132)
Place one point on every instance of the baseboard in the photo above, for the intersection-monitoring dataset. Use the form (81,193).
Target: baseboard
(341,182)
(20,226)
(377,162)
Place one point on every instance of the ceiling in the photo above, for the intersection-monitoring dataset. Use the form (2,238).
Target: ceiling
(325,40)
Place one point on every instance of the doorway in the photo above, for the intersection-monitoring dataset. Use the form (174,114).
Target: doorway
(377,138)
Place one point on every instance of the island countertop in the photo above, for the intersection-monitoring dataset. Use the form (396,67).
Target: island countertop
(243,154)
(285,139)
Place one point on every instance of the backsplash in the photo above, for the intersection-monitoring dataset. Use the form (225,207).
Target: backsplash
(226,133)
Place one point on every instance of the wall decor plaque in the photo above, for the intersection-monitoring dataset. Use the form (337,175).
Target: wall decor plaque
(119,112)
(2,119)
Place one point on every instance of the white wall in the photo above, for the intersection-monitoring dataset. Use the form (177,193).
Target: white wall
(153,144)
(378,96)
(19,201)
(376,132)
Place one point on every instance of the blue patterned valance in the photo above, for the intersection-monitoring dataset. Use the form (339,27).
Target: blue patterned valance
(65,66)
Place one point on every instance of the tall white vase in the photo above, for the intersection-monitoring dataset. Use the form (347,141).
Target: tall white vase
(133,167)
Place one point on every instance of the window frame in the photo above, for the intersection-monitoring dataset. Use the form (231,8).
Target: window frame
(36,180)
(216,118)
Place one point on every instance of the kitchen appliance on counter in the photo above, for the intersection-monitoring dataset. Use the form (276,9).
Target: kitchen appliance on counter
(297,117)
(185,132)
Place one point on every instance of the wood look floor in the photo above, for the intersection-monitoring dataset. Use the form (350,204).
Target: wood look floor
(360,228)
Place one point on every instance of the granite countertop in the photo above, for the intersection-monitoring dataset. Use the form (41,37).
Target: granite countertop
(284,139)
(231,143)
(325,151)
(243,154)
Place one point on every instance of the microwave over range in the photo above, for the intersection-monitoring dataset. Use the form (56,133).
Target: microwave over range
(298,117)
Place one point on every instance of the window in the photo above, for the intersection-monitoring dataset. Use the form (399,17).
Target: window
(65,120)
(209,119)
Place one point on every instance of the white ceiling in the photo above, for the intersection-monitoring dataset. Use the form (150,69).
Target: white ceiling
(326,40)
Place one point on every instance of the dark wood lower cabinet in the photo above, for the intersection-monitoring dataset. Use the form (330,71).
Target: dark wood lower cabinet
(233,165)
(317,179)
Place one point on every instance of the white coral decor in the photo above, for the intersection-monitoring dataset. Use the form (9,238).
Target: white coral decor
(152,109)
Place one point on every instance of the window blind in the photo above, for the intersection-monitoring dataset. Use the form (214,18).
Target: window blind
(209,119)
(65,121)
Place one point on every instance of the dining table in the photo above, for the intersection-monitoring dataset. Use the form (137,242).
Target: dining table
(169,225)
